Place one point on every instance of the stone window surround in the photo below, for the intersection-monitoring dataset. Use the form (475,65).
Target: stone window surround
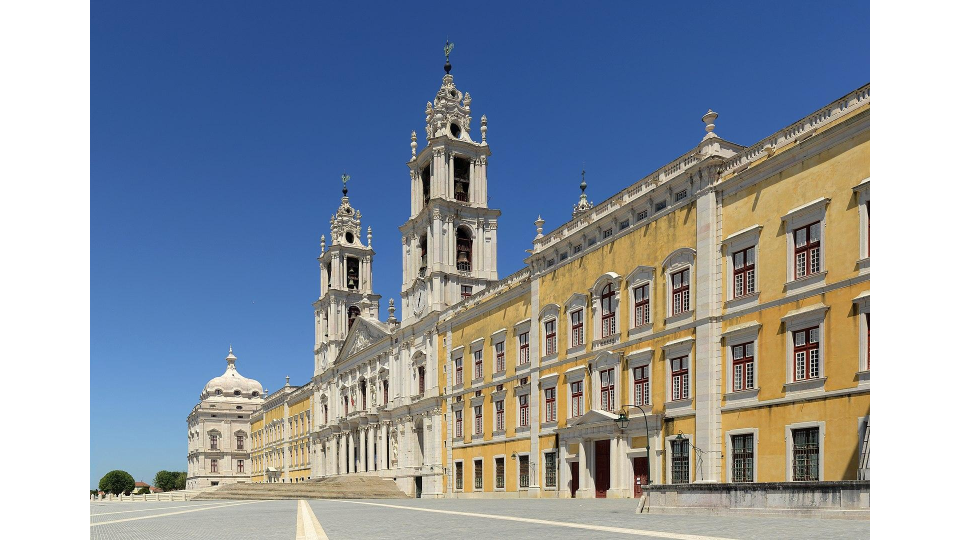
(522,390)
(455,354)
(474,475)
(547,382)
(498,337)
(596,292)
(680,259)
(504,458)
(738,241)
(572,375)
(543,460)
(741,334)
(677,349)
(549,311)
(812,212)
(518,329)
(862,302)
(575,302)
(641,275)
(728,441)
(635,359)
(604,361)
(454,476)
(799,319)
(862,191)
(788,435)
(477,345)
(668,452)
(531,468)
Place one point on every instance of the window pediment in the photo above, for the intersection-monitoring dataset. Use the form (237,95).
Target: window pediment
(816,208)
(603,280)
(606,359)
(684,256)
(548,310)
(678,346)
(576,300)
(641,274)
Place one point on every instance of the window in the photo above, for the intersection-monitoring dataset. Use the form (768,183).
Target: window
(524,410)
(624,224)
(499,473)
(564,256)
(577,248)
(742,458)
(458,371)
(744,275)
(421,379)
(386,394)
(464,255)
(660,206)
(459,474)
(550,404)
(806,354)
(236,392)
(591,241)
(363,392)
(607,233)
(326,418)
(458,423)
(641,305)
(478,420)
(466,291)
(680,461)
(524,339)
(642,215)
(550,469)
(213,442)
(498,409)
(806,250)
(478,364)
(550,330)
(607,399)
(551,262)
(239,442)
(680,195)
(352,315)
(478,474)
(576,398)
(501,360)
(461,173)
(641,385)
(806,454)
(353,270)
(681,291)
(213,465)
(346,405)
(681,377)
(742,367)
(868,340)
(608,319)
(576,330)
(524,471)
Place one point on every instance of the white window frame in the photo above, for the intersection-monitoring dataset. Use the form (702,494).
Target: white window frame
(523,327)
(801,319)
(550,311)
(641,275)
(548,382)
(812,212)
(614,279)
(641,358)
(475,346)
(788,434)
(576,302)
(741,334)
(862,191)
(668,452)
(736,242)
(729,442)
(862,303)
(573,375)
(676,349)
(681,259)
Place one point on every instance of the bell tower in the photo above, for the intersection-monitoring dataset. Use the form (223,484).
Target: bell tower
(450,240)
(346,282)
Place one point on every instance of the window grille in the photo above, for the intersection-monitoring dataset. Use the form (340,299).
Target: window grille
(478,474)
(499,473)
(806,454)
(524,471)
(744,274)
(607,233)
(742,458)
(459,475)
(680,195)
(550,469)
(680,461)
(642,215)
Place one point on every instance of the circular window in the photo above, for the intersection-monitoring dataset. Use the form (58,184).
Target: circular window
(256,394)
(236,392)
(239,407)
(349,237)
(455,130)
(219,392)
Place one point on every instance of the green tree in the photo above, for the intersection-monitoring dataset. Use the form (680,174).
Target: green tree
(143,491)
(181,480)
(117,482)
(165,480)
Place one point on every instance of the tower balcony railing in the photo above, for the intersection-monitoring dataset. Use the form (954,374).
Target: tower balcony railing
(461,196)
(463,266)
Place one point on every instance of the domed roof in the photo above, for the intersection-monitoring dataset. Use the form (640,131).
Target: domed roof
(232,383)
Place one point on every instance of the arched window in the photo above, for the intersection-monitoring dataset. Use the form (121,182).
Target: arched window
(608,320)
(461,179)
(464,250)
(353,273)
(352,315)
(363,394)
(425,181)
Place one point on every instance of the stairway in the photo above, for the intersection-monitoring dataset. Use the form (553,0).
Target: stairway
(331,487)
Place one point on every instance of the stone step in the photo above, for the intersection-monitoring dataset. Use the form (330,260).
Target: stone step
(334,487)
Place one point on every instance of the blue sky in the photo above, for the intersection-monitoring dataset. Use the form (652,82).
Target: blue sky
(219,131)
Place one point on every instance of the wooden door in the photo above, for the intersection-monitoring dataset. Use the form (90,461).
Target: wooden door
(641,475)
(574,479)
(602,467)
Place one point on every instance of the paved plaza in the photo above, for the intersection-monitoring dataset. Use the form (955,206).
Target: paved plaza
(439,519)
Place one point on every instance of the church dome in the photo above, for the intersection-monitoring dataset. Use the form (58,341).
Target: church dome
(232,384)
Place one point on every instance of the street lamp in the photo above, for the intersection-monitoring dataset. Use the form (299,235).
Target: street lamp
(624,418)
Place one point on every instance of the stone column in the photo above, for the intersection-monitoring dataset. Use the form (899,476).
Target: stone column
(371,448)
(584,479)
(362,433)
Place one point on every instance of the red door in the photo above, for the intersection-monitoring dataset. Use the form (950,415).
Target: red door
(602,459)
(641,475)
(574,479)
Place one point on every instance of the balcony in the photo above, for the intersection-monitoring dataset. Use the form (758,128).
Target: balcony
(463,266)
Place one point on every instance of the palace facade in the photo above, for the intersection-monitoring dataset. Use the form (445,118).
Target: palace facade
(708,323)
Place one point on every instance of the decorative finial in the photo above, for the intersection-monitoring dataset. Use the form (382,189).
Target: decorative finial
(583,181)
(708,119)
(413,143)
(230,357)
(446,51)
(369,236)
(583,205)
(345,177)
(288,380)
(323,244)
(391,309)
(483,129)
(539,223)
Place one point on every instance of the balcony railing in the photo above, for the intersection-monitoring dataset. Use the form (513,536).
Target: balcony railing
(463,266)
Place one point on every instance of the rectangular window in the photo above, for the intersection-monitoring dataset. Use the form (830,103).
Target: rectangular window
(501,360)
(213,442)
(421,378)
(607,395)
(458,423)
(564,256)
(577,248)
(744,274)
(576,330)
(478,420)
(806,354)
(660,206)
(458,371)
(524,340)
(499,472)
(868,340)
(624,225)
(239,442)
(550,469)
(459,474)
(681,291)
(346,405)
(806,454)
(642,215)
(679,372)
(524,410)
(576,398)
(478,364)
(641,305)
(478,474)
(466,291)
(680,195)
(239,465)
(806,250)
(550,405)
(498,407)
(524,471)
(386,396)
(607,233)
(550,331)
(641,385)
(551,262)
(213,465)
(591,241)
(742,458)
(742,367)
(680,461)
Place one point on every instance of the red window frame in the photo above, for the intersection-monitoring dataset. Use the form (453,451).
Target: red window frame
(641,385)
(550,404)
(641,305)
(742,374)
(524,347)
(478,420)
(608,318)
(458,423)
(498,410)
(744,272)
(550,331)
(806,250)
(806,354)
(501,359)
(458,371)
(680,377)
(239,442)
(213,442)
(680,282)
(478,364)
(213,465)
(524,410)
(466,291)
(576,398)
(576,328)
(421,380)
(607,390)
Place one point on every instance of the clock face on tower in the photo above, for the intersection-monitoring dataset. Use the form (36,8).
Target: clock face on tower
(419,298)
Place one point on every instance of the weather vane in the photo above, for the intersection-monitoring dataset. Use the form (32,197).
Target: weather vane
(446,51)
(345,177)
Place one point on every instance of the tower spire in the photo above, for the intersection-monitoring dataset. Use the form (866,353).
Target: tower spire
(446,51)
(583,205)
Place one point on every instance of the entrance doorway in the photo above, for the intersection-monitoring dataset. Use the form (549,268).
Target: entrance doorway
(419,483)
(641,475)
(602,459)
(574,479)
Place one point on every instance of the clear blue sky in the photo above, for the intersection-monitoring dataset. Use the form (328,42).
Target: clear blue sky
(219,131)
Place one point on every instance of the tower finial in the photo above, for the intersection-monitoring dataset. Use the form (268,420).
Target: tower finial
(446,51)
(583,205)
(583,181)
(345,177)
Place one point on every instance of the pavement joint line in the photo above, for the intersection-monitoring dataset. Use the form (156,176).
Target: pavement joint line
(308,526)
(149,509)
(173,513)
(603,528)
